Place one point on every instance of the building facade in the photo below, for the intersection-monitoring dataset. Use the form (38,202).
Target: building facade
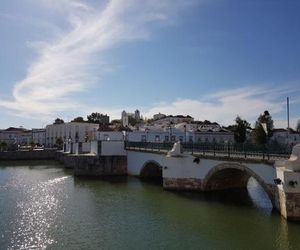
(70,132)
(39,136)
(18,136)
(284,137)
(168,120)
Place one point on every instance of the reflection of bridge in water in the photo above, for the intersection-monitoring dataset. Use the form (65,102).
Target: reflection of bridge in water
(208,169)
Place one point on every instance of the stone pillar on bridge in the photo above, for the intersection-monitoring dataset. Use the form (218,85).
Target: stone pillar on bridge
(288,186)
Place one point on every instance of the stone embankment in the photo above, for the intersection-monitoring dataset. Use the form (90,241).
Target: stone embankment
(84,165)
(28,155)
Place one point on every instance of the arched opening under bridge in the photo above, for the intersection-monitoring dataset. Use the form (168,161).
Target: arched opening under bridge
(151,170)
(230,176)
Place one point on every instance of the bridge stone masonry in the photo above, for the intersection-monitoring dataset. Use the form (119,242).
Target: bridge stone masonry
(183,171)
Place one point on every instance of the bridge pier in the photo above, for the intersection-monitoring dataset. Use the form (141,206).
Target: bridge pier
(287,195)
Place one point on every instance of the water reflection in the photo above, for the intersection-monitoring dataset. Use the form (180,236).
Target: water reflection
(35,213)
(47,208)
(258,195)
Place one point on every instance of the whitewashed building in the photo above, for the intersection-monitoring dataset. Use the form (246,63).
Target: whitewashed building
(19,136)
(160,135)
(39,136)
(158,116)
(71,132)
(125,119)
(110,136)
(283,137)
(221,136)
(170,119)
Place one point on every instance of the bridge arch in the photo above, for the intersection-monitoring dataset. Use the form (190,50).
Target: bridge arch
(233,175)
(151,169)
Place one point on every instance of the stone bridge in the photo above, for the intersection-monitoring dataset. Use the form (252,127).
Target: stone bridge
(180,171)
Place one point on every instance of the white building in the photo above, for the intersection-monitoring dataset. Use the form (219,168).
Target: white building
(206,126)
(70,132)
(283,137)
(110,136)
(39,136)
(137,115)
(221,136)
(125,119)
(158,116)
(18,136)
(160,135)
(166,121)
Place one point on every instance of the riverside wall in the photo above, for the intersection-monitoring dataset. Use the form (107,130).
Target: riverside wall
(28,155)
(83,165)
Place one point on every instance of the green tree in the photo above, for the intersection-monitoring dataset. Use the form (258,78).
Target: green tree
(59,121)
(32,144)
(116,121)
(59,142)
(78,119)
(240,129)
(98,118)
(132,121)
(3,145)
(263,130)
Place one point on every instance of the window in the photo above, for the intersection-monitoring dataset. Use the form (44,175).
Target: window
(173,138)
(190,138)
(143,138)
(166,138)
(157,138)
(181,138)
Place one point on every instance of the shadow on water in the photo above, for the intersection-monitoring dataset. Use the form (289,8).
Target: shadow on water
(235,197)
(86,180)
(251,196)
(31,164)
(155,181)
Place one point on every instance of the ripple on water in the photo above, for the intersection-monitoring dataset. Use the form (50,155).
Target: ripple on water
(36,214)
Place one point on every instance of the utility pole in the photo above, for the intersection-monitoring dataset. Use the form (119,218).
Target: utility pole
(288,118)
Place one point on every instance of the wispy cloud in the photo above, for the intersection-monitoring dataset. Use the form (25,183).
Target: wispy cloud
(64,66)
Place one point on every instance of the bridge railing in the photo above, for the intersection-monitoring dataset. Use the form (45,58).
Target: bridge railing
(246,150)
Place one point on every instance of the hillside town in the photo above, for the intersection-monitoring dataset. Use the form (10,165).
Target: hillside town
(133,127)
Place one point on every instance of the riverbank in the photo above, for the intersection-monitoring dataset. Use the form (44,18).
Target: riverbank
(48,154)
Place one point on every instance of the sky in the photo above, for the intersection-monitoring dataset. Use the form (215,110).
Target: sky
(211,59)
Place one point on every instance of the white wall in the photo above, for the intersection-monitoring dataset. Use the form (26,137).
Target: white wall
(69,130)
(39,136)
(112,148)
(94,147)
(136,161)
(110,135)
(159,136)
(287,176)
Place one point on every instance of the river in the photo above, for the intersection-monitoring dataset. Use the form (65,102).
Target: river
(42,206)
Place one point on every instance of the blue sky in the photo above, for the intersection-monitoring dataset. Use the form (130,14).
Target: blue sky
(210,59)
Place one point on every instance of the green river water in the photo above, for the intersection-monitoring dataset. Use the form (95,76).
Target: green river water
(42,206)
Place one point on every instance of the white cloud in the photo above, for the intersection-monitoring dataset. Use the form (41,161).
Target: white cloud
(64,66)
(223,107)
